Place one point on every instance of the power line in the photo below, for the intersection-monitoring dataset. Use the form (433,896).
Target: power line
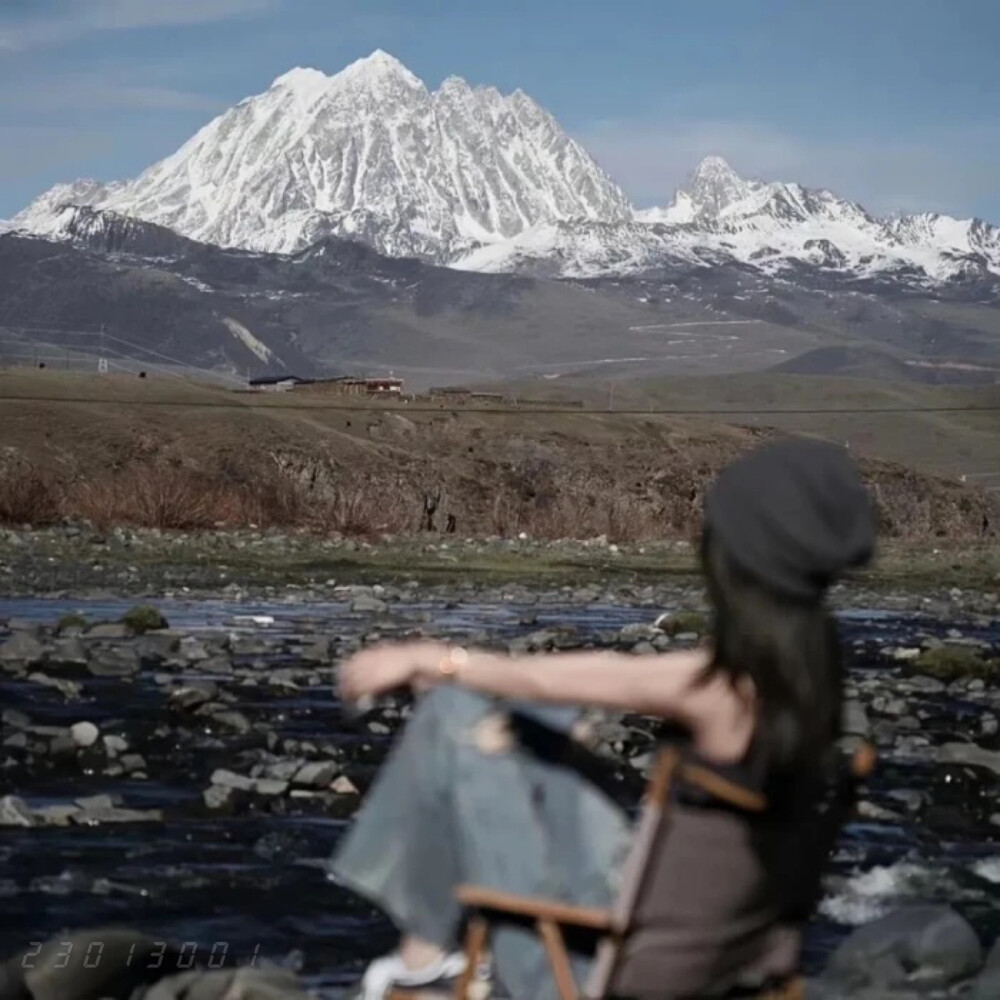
(104,350)
(503,410)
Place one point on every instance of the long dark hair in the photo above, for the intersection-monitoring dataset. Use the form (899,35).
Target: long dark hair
(789,649)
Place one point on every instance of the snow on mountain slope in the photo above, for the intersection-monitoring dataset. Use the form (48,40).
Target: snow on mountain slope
(719,217)
(470,177)
(772,225)
(369,153)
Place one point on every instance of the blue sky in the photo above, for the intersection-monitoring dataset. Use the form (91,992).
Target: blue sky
(895,103)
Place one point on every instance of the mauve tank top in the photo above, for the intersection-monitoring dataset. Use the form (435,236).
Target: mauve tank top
(708,919)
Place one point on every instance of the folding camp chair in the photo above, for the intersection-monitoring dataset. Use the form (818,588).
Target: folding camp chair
(487,906)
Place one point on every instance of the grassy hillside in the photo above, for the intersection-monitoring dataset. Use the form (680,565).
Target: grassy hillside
(958,432)
(170,453)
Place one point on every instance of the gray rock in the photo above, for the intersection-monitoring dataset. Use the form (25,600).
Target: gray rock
(96,802)
(854,719)
(249,645)
(57,815)
(922,947)
(270,786)
(637,631)
(85,734)
(194,694)
(887,705)
(925,684)
(154,648)
(232,720)
(116,661)
(133,762)
(192,650)
(62,744)
(316,774)
(108,630)
(283,770)
(217,664)
(70,690)
(97,814)
(909,798)
(317,652)
(114,745)
(218,797)
(819,989)
(14,812)
(969,753)
(14,719)
(363,604)
(21,649)
(68,653)
(228,779)
(986,986)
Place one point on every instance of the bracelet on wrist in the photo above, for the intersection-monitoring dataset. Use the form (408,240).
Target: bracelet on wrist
(451,664)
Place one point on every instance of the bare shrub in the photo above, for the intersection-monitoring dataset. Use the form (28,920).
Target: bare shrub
(152,496)
(363,507)
(27,495)
(274,499)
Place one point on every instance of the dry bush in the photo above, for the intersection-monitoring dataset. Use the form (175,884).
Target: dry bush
(271,500)
(363,507)
(27,495)
(153,496)
(579,512)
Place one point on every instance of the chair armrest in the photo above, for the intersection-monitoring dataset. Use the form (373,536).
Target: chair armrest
(481,898)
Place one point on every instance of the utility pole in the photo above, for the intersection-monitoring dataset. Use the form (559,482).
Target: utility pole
(611,395)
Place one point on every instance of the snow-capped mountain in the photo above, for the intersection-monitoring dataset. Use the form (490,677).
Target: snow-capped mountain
(719,217)
(369,153)
(482,181)
(775,223)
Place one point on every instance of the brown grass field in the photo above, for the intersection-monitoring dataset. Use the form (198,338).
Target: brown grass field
(167,452)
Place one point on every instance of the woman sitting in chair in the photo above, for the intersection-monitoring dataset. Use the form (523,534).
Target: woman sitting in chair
(464,798)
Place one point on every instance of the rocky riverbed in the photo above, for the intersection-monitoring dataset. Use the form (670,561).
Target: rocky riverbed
(189,776)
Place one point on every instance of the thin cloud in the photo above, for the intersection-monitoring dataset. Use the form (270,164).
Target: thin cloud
(650,159)
(85,93)
(85,17)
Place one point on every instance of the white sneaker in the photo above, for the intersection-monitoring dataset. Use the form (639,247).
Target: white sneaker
(389,971)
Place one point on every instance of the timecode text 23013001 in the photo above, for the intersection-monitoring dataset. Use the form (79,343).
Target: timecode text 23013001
(160,955)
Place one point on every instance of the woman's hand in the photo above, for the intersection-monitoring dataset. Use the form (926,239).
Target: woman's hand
(387,667)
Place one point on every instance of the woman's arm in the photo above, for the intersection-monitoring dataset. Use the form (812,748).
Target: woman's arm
(648,685)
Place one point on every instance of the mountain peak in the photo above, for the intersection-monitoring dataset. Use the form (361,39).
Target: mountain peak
(714,167)
(301,76)
(380,65)
(368,154)
(714,186)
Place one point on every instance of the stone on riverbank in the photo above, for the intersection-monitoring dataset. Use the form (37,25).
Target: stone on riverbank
(84,734)
(21,650)
(919,947)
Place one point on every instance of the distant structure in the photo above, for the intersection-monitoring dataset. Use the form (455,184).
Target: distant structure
(389,387)
(275,383)
(458,396)
(344,385)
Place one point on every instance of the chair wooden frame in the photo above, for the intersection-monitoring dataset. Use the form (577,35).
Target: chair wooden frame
(485,906)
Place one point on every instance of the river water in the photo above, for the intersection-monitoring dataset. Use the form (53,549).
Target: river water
(255,886)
